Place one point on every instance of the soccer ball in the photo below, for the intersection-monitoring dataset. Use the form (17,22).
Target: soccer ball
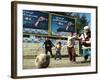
(42,61)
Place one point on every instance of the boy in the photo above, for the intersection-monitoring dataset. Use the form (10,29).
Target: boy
(58,50)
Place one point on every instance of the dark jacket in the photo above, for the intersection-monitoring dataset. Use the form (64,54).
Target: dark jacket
(48,44)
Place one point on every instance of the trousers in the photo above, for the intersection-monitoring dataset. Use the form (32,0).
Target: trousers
(71,53)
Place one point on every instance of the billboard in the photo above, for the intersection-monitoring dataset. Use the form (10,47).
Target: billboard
(62,25)
(35,22)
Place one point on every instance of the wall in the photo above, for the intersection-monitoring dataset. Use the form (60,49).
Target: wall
(5,40)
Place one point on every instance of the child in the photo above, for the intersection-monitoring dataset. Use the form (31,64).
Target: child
(58,50)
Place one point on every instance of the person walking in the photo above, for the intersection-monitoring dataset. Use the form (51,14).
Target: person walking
(85,41)
(48,46)
(58,50)
(71,48)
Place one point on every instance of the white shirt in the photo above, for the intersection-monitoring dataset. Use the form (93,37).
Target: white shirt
(71,41)
(83,36)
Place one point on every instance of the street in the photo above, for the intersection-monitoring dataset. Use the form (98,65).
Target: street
(28,63)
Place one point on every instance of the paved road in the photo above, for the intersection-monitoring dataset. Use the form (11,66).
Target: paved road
(29,63)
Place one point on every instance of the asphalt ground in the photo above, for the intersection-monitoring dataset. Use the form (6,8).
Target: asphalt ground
(28,63)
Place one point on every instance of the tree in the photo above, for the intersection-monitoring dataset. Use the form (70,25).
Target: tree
(83,22)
